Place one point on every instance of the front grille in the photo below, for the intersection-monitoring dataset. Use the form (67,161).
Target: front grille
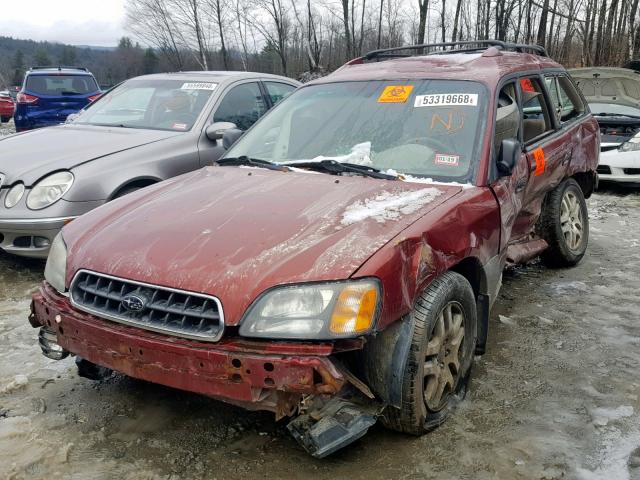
(160,309)
(631,171)
(604,169)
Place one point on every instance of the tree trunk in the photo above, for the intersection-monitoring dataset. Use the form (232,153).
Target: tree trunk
(423,6)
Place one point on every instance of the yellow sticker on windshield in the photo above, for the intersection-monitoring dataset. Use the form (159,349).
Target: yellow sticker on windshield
(395,94)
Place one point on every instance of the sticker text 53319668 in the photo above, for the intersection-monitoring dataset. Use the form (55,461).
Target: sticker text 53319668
(446,100)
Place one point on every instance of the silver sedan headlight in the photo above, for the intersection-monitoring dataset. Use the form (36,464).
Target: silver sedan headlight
(49,190)
(318,311)
(14,195)
(55,271)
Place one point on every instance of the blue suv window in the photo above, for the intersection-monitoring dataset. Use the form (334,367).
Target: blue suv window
(61,84)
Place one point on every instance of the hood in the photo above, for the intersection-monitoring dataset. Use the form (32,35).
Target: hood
(31,155)
(234,232)
(620,86)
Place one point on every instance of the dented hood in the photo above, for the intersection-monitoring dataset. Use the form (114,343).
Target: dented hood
(234,232)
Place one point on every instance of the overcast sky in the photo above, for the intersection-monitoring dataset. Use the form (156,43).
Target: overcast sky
(78,22)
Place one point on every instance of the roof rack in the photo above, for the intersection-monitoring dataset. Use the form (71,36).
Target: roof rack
(466,47)
(58,67)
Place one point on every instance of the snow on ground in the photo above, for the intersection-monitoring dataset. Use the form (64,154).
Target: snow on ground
(555,397)
(7,128)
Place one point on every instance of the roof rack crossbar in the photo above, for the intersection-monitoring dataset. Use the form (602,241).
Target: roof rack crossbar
(479,45)
(58,67)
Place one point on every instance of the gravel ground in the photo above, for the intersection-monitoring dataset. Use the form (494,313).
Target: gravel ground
(556,396)
(7,128)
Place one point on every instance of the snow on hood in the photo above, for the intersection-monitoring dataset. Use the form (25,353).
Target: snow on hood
(389,205)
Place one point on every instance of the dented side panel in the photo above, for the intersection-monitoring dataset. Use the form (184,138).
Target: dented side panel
(468,225)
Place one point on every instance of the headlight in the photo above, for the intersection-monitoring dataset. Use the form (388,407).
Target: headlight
(14,195)
(314,311)
(56,269)
(49,190)
(629,147)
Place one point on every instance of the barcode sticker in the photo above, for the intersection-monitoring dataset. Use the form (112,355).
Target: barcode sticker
(446,100)
(198,86)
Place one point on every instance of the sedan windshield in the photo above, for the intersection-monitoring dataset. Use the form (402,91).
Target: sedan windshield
(151,104)
(425,128)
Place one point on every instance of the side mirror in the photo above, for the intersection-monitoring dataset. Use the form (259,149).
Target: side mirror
(510,152)
(230,137)
(216,130)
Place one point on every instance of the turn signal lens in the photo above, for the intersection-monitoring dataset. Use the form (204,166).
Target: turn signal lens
(355,310)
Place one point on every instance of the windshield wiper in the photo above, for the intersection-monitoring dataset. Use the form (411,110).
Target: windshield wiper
(250,162)
(335,167)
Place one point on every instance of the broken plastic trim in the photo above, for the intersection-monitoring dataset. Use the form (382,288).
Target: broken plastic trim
(334,425)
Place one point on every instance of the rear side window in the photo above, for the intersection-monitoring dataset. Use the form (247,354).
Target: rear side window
(536,119)
(61,84)
(566,101)
(277,91)
(242,105)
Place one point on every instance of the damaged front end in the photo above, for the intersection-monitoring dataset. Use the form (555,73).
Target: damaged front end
(330,405)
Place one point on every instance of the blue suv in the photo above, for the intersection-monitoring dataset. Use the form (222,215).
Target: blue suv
(50,94)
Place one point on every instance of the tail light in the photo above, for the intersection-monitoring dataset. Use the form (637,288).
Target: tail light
(94,97)
(26,98)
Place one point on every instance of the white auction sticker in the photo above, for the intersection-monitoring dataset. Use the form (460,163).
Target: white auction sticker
(446,100)
(198,86)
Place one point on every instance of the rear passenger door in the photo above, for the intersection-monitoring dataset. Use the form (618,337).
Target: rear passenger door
(547,147)
(242,104)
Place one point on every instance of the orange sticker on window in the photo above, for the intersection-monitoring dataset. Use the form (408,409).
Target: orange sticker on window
(538,156)
(395,94)
(527,85)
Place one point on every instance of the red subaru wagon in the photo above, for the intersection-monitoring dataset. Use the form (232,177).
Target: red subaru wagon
(339,264)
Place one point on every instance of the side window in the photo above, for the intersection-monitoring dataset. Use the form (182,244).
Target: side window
(242,105)
(277,91)
(571,105)
(507,116)
(536,118)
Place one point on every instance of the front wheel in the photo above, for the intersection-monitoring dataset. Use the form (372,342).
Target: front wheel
(440,357)
(564,224)
(5,119)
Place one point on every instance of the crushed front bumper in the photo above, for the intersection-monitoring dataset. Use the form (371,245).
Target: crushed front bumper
(256,375)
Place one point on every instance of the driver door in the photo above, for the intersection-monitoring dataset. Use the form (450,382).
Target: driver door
(509,189)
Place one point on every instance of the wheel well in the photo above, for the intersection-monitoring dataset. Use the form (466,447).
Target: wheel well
(135,184)
(471,269)
(587,182)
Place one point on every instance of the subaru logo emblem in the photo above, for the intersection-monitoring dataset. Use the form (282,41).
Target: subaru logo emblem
(134,303)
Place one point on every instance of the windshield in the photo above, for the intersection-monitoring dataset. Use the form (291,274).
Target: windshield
(61,84)
(426,128)
(151,104)
(598,108)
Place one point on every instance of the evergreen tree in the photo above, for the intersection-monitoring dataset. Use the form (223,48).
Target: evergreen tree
(41,57)
(18,68)
(150,60)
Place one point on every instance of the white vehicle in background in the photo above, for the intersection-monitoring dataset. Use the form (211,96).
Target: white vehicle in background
(613,95)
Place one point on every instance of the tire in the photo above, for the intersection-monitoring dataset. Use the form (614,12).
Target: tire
(564,224)
(421,412)
(5,119)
